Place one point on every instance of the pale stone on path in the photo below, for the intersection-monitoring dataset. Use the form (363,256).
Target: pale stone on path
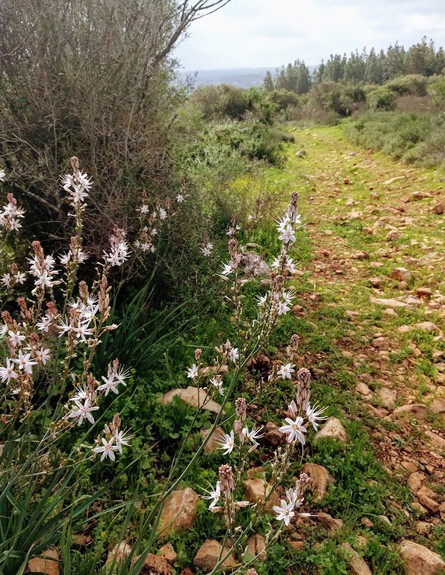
(192,396)
(334,429)
(48,563)
(391,303)
(387,396)
(362,388)
(436,441)
(401,274)
(426,326)
(418,560)
(427,498)
(356,563)
(208,556)
(415,481)
(179,511)
(438,405)
(321,479)
(416,410)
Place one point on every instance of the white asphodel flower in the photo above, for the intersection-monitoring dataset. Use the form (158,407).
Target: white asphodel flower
(192,372)
(286,371)
(314,415)
(107,449)
(213,495)
(285,511)
(83,411)
(227,442)
(294,430)
(2,175)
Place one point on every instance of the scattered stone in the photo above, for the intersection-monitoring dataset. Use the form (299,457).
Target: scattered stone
(401,274)
(415,481)
(389,311)
(438,405)
(392,235)
(411,300)
(416,410)
(419,196)
(420,560)
(156,564)
(273,435)
(179,511)
(390,181)
(346,181)
(208,556)
(118,554)
(192,396)
(362,388)
(366,522)
(384,519)
(442,511)
(423,527)
(424,292)
(256,547)
(47,563)
(427,498)
(389,302)
(321,479)
(426,326)
(356,563)
(380,343)
(327,521)
(168,552)
(436,441)
(297,545)
(212,444)
(256,490)
(334,429)
(439,209)
(350,202)
(387,396)
(361,256)
(375,282)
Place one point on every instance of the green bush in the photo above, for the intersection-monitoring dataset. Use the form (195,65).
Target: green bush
(381,99)
(222,101)
(414,84)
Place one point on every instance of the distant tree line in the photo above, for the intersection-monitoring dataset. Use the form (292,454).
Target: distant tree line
(363,68)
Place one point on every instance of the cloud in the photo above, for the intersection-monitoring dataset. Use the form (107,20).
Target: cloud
(249,33)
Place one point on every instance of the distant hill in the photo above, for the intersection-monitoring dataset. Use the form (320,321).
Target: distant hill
(239,77)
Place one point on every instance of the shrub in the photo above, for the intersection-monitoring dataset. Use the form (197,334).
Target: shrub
(381,99)
(222,101)
(414,84)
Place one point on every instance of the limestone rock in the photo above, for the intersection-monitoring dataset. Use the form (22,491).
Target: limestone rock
(390,303)
(375,282)
(427,498)
(48,563)
(415,481)
(156,564)
(273,435)
(438,405)
(356,563)
(401,274)
(179,511)
(439,209)
(387,396)
(208,556)
(192,396)
(334,429)
(212,444)
(329,521)
(256,491)
(362,388)
(118,554)
(416,410)
(321,479)
(168,552)
(256,547)
(424,292)
(418,560)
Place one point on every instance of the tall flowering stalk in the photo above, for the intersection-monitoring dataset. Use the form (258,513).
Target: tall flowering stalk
(53,338)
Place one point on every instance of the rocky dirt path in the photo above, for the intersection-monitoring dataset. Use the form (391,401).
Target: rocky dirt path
(378,233)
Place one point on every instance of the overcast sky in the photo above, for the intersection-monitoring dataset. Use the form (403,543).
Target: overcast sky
(257,33)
